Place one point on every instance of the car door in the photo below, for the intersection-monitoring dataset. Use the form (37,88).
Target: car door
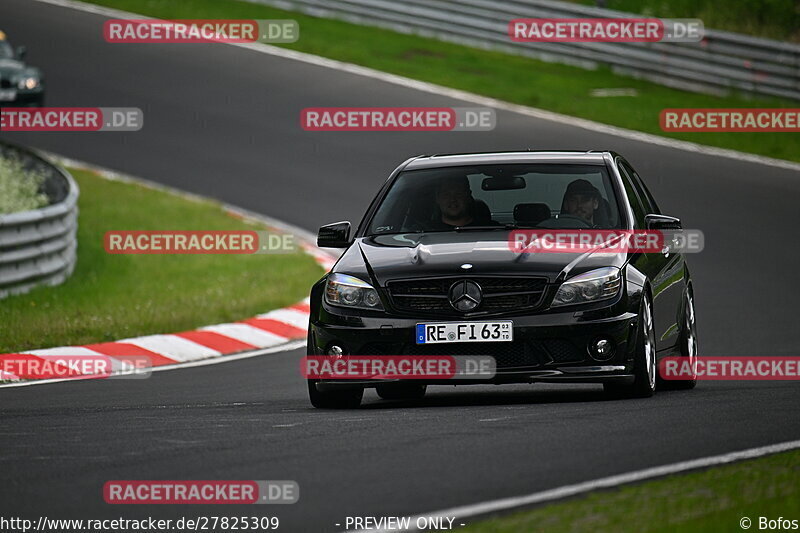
(664,269)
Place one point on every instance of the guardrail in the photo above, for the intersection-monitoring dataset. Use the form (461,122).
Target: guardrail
(722,62)
(39,247)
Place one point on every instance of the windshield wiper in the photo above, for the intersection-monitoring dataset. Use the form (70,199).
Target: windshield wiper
(493,227)
(504,227)
(383,234)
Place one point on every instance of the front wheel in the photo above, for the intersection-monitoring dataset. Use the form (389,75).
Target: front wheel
(688,344)
(644,364)
(337,399)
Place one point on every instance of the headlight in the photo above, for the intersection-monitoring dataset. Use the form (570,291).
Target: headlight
(591,286)
(28,83)
(348,291)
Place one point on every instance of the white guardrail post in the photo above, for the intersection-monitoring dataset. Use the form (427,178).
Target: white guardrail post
(39,247)
(721,62)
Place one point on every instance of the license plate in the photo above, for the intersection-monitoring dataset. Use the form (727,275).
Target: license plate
(6,95)
(441,332)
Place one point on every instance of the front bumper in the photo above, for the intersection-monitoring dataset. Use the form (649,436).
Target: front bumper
(547,347)
(25,99)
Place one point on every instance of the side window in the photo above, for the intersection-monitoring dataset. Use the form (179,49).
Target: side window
(633,197)
(647,199)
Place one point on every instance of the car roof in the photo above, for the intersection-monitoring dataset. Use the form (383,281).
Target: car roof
(488,158)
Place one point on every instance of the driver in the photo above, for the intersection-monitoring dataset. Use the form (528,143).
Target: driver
(581,200)
(455,201)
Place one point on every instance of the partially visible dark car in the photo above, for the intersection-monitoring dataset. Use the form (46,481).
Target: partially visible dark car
(20,84)
(593,317)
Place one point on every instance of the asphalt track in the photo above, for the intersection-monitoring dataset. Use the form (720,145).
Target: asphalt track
(224,122)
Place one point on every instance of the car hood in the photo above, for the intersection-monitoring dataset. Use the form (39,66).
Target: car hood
(413,255)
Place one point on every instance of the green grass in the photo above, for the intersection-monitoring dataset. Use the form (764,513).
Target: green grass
(511,78)
(708,501)
(110,297)
(773,19)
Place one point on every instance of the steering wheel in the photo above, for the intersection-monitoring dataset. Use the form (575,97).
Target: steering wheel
(566,221)
(413,226)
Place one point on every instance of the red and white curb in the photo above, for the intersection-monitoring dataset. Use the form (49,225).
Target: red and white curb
(262,331)
(268,330)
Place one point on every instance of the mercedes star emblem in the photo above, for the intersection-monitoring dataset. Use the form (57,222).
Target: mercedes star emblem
(465,295)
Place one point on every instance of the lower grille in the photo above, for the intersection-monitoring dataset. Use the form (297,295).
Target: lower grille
(507,355)
(563,351)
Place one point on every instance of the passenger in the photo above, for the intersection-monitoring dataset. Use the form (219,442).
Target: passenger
(582,200)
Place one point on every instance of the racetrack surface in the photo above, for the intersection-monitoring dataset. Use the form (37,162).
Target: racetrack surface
(224,122)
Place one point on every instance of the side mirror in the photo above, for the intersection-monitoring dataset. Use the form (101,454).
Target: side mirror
(661,222)
(336,235)
(21,52)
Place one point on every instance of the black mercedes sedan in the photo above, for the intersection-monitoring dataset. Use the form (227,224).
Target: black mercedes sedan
(20,83)
(432,258)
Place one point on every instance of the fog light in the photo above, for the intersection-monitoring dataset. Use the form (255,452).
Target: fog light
(335,350)
(602,349)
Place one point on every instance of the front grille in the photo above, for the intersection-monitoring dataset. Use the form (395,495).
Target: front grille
(5,83)
(507,355)
(500,294)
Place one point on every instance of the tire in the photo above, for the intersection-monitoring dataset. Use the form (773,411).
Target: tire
(401,391)
(338,399)
(645,365)
(688,344)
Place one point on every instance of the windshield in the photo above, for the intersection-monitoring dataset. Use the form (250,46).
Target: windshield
(499,197)
(6,52)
